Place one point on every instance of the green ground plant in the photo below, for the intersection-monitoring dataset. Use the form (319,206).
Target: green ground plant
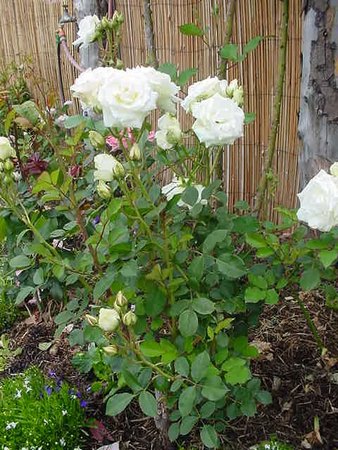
(39,413)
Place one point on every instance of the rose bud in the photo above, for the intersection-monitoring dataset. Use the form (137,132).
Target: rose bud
(129,319)
(109,319)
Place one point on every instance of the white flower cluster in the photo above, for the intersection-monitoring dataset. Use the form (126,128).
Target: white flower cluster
(215,104)
(319,201)
(125,97)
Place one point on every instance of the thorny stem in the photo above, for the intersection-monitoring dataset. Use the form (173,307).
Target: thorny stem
(263,184)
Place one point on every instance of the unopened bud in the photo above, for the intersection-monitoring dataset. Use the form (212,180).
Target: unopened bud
(106,23)
(103,190)
(117,19)
(111,350)
(121,300)
(135,153)
(233,85)
(8,165)
(129,319)
(91,320)
(96,139)
(174,135)
(119,171)
(238,96)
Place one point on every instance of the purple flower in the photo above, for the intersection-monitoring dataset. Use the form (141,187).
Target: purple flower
(83,403)
(78,394)
(96,220)
(51,374)
(48,390)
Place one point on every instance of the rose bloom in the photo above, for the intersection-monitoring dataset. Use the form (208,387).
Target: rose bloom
(126,100)
(169,133)
(109,319)
(6,150)
(87,85)
(87,28)
(177,186)
(219,121)
(104,165)
(319,202)
(203,90)
(334,169)
(161,84)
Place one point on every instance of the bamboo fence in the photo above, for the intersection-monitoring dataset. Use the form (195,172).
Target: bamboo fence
(27,27)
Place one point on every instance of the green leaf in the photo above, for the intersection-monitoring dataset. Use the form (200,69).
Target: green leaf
(185,75)
(63,317)
(252,44)
(200,366)
(103,285)
(20,262)
(272,297)
(187,424)
(238,375)
(190,195)
(187,400)
(212,239)
(254,294)
(74,121)
(182,366)
(209,436)
(255,240)
(151,349)
(231,265)
(130,269)
(229,51)
(23,294)
(174,431)
(188,323)
(207,409)
(29,111)
(190,29)
(310,279)
(328,257)
(170,69)
(264,397)
(148,404)
(248,408)
(176,385)
(38,277)
(214,389)
(249,117)
(203,306)
(118,403)
(196,268)
(131,380)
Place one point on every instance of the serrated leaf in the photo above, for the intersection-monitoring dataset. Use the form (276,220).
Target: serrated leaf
(207,409)
(187,424)
(185,75)
(186,400)
(102,286)
(188,323)
(252,44)
(328,257)
(174,431)
(190,195)
(214,389)
(190,29)
(182,366)
(151,349)
(209,436)
(254,294)
(231,265)
(118,403)
(170,69)
(229,51)
(23,294)
(199,366)
(38,277)
(148,404)
(310,279)
(203,306)
(264,397)
(213,239)
(196,268)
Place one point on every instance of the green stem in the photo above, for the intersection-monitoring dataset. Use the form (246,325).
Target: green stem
(222,73)
(311,325)
(215,164)
(263,184)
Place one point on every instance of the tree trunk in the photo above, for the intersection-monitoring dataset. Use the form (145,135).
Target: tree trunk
(318,120)
(89,56)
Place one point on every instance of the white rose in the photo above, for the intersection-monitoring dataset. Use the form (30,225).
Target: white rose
(126,100)
(177,186)
(6,150)
(203,90)
(161,84)
(86,32)
(105,166)
(169,132)
(334,169)
(87,85)
(319,202)
(219,121)
(109,319)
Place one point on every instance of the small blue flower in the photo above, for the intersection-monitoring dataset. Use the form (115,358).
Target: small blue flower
(48,390)
(96,220)
(83,403)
